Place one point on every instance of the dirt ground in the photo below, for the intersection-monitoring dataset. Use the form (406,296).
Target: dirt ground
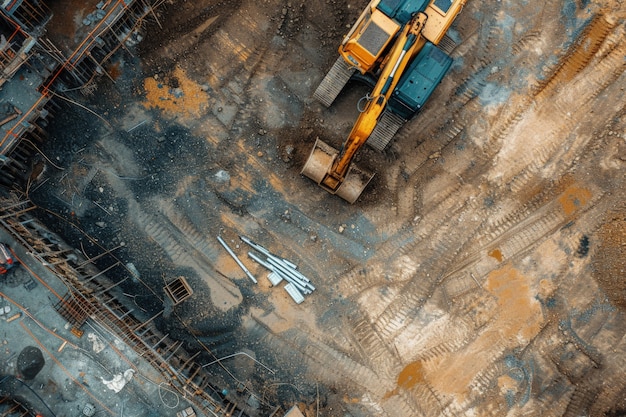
(480,273)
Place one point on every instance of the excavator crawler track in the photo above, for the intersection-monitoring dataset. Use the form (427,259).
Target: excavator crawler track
(385,130)
(447,44)
(333,82)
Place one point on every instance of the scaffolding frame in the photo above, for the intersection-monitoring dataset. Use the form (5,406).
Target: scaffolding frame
(91,296)
(31,15)
(87,61)
(11,407)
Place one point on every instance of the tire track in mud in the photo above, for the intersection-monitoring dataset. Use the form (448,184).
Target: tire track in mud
(510,360)
(557,388)
(323,354)
(577,402)
(460,334)
(182,251)
(440,253)
(320,354)
(525,42)
(567,68)
(466,94)
(582,399)
(484,381)
(553,400)
(379,353)
(386,365)
(358,280)
(550,152)
(192,236)
(398,406)
(572,63)
(577,57)
(426,151)
(531,232)
(595,374)
(424,398)
(611,393)
(523,179)
(513,237)
(436,244)
(452,338)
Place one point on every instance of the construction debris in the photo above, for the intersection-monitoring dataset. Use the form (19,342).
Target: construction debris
(294,293)
(14,317)
(281,269)
(119,380)
(93,300)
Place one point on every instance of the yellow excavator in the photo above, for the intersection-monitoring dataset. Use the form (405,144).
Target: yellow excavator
(393,44)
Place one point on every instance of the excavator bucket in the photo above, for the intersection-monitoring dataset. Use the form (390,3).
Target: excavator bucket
(319,164)
(355,182)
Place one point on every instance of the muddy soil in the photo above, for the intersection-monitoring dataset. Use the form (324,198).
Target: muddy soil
(481,272)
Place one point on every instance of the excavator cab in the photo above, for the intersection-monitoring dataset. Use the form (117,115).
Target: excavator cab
(366,46)
(372,35)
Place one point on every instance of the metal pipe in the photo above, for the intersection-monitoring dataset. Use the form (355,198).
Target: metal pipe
(103,272)
(282,262)
(255,246)
(232,254)
(287,275)
(147,322)
(294,283)
(290,278)
(267,252)
(277,266)
(260,261)
(284,275)
(295,275)
(286,262)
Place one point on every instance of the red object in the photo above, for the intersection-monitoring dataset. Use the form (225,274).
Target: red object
(6,259)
